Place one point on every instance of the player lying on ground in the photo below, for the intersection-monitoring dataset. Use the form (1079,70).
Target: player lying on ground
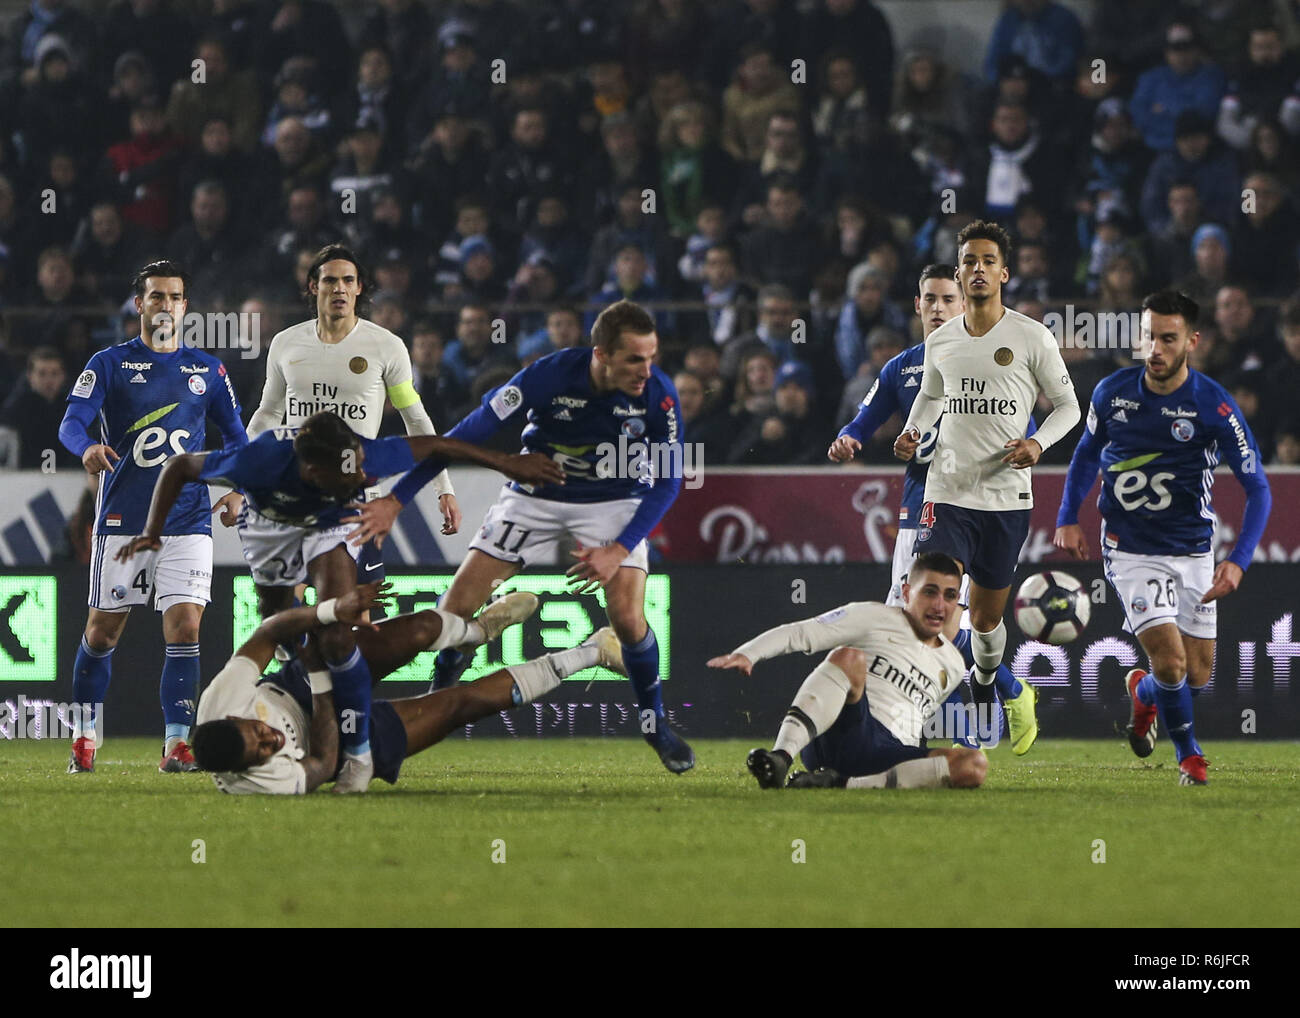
(307,477)
(984,370)
(280,735)
(609,415)
(1156,431)
(938,300)
(859,718)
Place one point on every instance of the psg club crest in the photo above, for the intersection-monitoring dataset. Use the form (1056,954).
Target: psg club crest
(1003,356)
(1182,429)
(197,385)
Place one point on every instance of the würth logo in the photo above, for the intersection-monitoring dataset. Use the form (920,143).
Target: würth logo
(73,971)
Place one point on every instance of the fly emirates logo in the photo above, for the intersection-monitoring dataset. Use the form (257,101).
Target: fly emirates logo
(326,397)
(972,400)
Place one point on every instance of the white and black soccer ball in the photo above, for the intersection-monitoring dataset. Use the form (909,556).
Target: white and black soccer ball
(1052,607)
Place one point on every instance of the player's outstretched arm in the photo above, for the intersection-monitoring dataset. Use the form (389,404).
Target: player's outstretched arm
(737,661)
(177,472)
(323,760)
(879,404)
(1079,479)
(530,468)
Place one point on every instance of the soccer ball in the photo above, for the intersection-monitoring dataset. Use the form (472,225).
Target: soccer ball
(1052,607)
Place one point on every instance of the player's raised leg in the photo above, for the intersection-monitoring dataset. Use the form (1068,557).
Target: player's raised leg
(625,605)
(479,574)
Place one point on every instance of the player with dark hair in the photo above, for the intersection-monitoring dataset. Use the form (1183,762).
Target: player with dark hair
(1156,431)
(338,361)
(938,300)
(983,371)
(150,399)
(305,480)
(859,719)
(280,734)
(595,411)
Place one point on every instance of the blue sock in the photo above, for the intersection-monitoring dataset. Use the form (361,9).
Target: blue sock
(642,663)
(1175,706)
(91,672)
(1008,686)
(1146,689)
(1196,690)
(179,688)
(351,680)
(445,664)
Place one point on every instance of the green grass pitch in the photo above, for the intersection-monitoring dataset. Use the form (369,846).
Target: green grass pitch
(594,833)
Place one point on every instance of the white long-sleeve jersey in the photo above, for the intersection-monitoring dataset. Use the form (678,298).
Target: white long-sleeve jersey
(350,378)
(986,387)
(907,678)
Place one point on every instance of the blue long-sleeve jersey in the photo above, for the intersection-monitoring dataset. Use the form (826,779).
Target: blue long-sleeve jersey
(1157,456)
(594,436)
(150,406)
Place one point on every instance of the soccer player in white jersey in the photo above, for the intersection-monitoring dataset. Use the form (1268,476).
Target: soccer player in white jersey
(983,372)
(858,720)
(347,364)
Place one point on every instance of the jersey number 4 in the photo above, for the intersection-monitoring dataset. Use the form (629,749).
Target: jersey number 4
(927,515)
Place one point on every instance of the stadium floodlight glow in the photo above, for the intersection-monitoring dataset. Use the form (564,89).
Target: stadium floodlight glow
(563,620)
(29,628)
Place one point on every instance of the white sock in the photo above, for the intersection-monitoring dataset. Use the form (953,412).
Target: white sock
(988,649)
(928,772)
(455,631)
(819,702)
(538,677)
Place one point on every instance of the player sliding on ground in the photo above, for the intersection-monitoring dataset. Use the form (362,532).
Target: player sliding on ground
(306,478)
(859,718)
(939,300)
(280,735)
(1156,432)
(983,372)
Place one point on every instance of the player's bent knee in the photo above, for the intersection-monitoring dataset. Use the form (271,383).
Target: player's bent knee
(336,642)
(853,663)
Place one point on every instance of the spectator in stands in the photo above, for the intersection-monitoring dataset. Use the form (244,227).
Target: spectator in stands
(754,394)
(1257,89)
(535,285)
(622,161)
(1032,277)
(472,220)
(460,81)
(1211,250)
(217,159)
(777,310)
(1271,150)
(1248,336)
(729,303)
(1268,229)
(443,399)
(1171,245)
(1197,157)
(631,282)
(928,94)
(57,111)
(704,360)
(448,165)
(787,248)
(1047,34)
(1117,159)
(1286,443)
(695,172)
(1283,373)
(299,159)
(35,409)
(106,253)
(554,236)
(760,88)
(53,307)
(865,307)
(710,229)
(858,23)
(1018,163)
(843,103)
(361,173)
(882,344)
(377,96)
(220,92)
(141,173)
(789,434)
(480,273)
(631,226)
(303,226)
(1186,83)
(297,95)
(475,349)
(45,19)
(563,330)
(210,246)
(526,165)
(704,420)
(785,159)
(1122,286)
(401,29)
(133,80)
(1129,37)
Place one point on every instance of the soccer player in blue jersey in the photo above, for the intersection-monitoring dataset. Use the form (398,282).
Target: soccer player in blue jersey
(1156,432)
(938,300)
(305,478)
(144,402)
(605,414)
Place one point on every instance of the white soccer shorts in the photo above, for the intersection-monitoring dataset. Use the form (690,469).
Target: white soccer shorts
(1157,589)
(531,531)
(180,572)
(278,553)
(904,552)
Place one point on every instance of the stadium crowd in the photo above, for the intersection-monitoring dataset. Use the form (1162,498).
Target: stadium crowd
(769,176)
